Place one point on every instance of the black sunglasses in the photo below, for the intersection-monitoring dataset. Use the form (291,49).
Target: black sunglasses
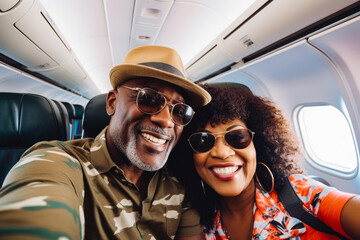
(204,141)
(152,102)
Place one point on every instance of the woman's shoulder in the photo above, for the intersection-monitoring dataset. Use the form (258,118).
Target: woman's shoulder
(311,192)
(305,180)
(305,185)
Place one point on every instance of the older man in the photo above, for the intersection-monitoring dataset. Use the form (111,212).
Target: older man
(113,186)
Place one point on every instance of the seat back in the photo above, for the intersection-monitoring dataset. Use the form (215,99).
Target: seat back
(71,113)
(64,119)
(78,118)
(25,119)
(95,116)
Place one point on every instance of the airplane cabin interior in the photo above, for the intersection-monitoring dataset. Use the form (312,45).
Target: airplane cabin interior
(303,55)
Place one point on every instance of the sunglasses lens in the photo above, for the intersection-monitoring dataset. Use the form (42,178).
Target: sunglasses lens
(150,101)
(202,141)
(239,138)
(182,114)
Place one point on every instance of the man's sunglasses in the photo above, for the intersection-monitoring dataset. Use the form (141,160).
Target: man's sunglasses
(204,141)
(152,102)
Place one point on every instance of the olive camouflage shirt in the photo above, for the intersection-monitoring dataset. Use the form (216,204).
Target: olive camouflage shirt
(73,190)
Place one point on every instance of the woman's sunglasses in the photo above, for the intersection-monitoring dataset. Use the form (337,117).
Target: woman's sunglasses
(152,102)
(204,141)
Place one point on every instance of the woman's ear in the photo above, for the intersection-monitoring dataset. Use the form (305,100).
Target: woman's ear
(111,101)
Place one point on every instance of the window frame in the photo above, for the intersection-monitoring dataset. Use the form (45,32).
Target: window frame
(309,155)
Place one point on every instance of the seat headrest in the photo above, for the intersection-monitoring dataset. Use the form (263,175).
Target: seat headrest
(70,109)
(95,116)
(28,118)
(79,111)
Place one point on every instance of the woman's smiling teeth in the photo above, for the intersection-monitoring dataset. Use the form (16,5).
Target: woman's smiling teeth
(225,170)
(153,139)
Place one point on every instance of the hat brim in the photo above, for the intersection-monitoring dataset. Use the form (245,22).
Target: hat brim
(196,95)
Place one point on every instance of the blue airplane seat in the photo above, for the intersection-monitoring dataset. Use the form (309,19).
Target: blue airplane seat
(78,118)
(71,113)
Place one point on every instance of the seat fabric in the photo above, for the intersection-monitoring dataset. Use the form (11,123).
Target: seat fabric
(95,116)
(78,118)
(25,119)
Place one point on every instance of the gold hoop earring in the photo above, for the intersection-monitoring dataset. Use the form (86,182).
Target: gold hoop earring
(203,187)
(265,186)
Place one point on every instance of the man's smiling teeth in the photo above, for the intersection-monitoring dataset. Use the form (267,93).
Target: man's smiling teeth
(153,139)
(225,170)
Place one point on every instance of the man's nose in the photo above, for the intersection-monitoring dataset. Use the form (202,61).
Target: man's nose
(163,118)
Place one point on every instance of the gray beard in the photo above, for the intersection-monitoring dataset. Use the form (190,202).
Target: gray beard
(129,150)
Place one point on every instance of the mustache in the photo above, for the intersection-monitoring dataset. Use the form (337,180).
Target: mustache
(158,130)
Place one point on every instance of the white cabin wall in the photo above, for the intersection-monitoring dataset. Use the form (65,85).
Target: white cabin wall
(304,74)
(12,80)
(340,45)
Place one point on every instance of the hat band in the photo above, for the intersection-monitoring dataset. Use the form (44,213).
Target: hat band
(163,67)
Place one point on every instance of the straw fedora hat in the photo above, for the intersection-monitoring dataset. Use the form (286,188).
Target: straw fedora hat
(161,63)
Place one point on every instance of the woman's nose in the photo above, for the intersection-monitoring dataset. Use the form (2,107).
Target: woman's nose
(221,149)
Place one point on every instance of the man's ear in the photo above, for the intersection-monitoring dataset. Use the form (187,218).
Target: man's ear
(111,101)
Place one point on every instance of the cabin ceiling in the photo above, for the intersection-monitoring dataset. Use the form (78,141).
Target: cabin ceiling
(74,44)
(101,32)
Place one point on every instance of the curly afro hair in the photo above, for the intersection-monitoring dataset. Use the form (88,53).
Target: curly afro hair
(275,143)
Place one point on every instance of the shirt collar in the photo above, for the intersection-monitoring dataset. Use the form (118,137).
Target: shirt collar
(100,156)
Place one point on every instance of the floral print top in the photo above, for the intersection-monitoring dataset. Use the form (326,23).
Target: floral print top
(271,221)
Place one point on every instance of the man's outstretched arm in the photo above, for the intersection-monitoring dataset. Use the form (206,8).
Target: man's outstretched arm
(42,198)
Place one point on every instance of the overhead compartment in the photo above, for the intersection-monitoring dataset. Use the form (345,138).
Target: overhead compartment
(210,61)
(31,38)
(6,5)
(263,24)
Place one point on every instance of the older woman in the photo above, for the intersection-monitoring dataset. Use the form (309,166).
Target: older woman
(235,158)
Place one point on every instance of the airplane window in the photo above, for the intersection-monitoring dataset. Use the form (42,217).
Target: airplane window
(327,137)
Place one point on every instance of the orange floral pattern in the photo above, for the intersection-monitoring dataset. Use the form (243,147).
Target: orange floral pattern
(271,221)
